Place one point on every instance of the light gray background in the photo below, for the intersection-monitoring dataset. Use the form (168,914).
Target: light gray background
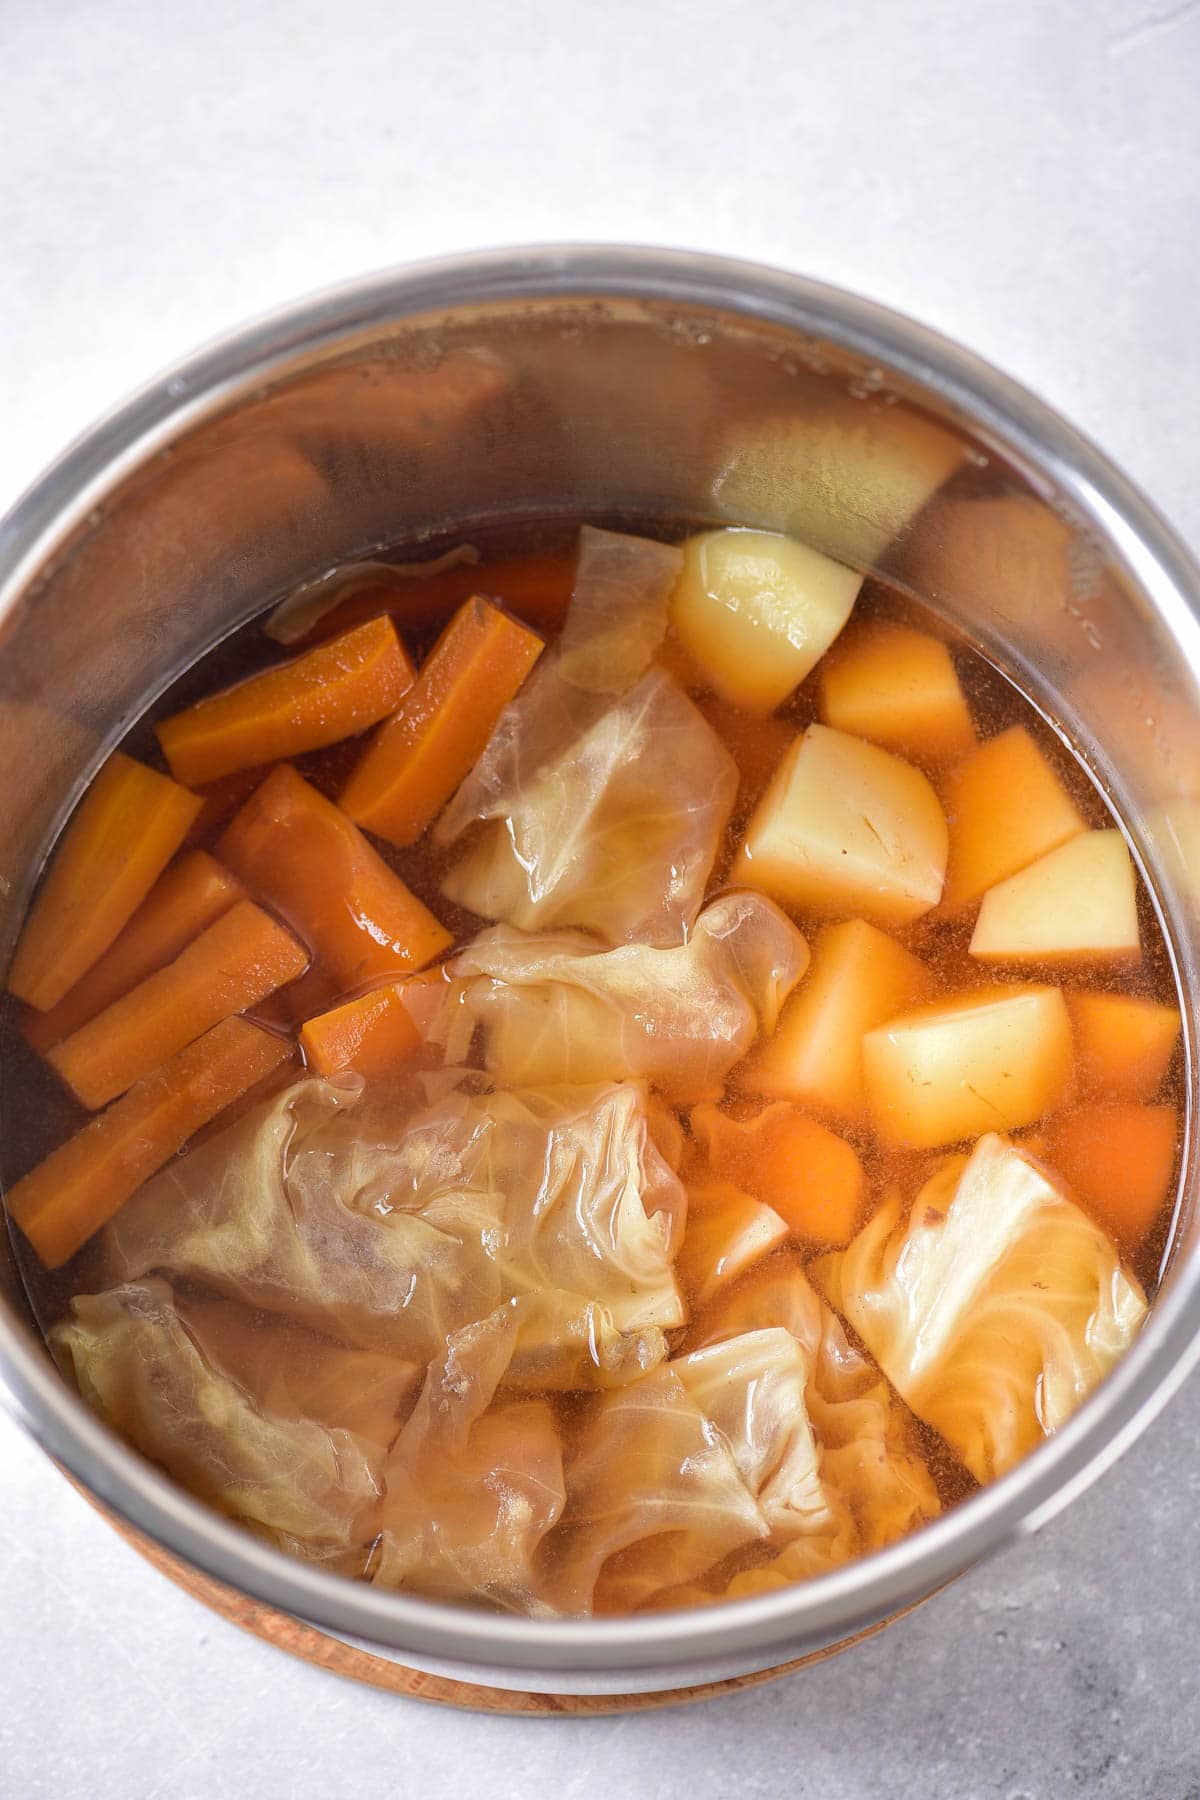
(1024,176)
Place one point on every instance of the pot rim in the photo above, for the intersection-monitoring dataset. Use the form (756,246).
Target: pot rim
(997,410)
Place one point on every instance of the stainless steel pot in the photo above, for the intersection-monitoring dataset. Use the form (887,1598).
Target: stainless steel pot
(639,384)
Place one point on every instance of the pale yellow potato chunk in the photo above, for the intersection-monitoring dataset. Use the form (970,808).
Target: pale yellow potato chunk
(993,1060)
(847,830)
(756,611)
(1076,905)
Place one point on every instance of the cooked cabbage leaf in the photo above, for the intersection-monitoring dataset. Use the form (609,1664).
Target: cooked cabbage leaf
(602,794)
(619,610)
(313,1487)
(752,1387)
(616,832)
(472,1486)
(393,1229)
(317,1208)
(870,1456)
(591,1205)
(654,1498)
(295,1374)
(994,1307)
(867,1484)
(560,1008)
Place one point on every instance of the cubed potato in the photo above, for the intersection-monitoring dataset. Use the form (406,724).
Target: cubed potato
(727,1231)
(992,1060)
(1119,1162)
(1123,1044)
(858,978)
(1077,904)
(756,611)
(846,829)
(1006,807)
(896,687)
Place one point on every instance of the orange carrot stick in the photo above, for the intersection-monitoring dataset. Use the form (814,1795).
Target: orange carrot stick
(332,692)
(243,956)
(373,1035)
(85,1181)
(121,837)
(298,852)
(810,1176)
(536,586)
(189,895)
(221,800)
(419,756)
(1119,1162)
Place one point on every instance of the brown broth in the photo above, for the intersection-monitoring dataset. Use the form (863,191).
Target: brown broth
(36,1114)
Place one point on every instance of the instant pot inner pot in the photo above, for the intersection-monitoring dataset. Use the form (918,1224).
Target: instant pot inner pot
(585,407)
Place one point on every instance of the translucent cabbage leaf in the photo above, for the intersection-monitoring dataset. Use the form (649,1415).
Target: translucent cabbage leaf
(870,1454)
(994,1307)
(654,1498)
(619,609)
(602,795)
(313,1487)
(591,1207)
(752,1387)
(316,1208)
(566,1344)
(560,1008)
(617,832)
(294,1374)
(473,1486)
(392,1229)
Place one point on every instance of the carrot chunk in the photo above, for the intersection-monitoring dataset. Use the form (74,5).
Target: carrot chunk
(1123,1044)
(536,586)
(859,977)
(123,834)
(185,899)
(811,1177)
(240,959)
(332,692)
(300,854)
(373,1035)
(221,800)
(1119,1161)
(419,757)
(1006,806)
(898,687)
(85,1181)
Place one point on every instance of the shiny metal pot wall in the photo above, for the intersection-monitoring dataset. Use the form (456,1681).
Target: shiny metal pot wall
(609,382)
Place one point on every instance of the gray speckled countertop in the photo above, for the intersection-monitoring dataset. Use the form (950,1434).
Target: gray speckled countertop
(1025,177)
